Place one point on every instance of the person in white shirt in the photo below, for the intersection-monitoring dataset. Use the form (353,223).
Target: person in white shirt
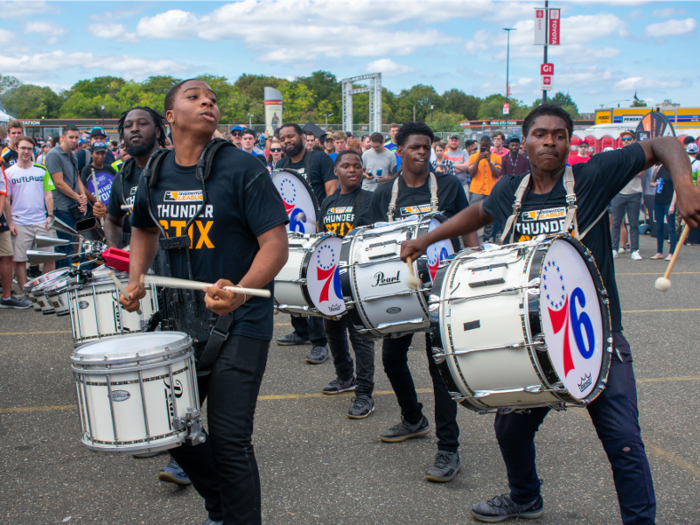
(375,159)
(31,208)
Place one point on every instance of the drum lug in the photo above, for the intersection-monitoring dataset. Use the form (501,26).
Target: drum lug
(438,355)
(192,422)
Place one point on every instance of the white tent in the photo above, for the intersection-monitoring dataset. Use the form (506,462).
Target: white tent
(4,117)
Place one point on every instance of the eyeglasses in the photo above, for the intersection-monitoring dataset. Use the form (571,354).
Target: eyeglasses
(627,139)
(275,150)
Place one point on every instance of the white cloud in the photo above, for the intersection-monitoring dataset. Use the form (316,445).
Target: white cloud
(9,10)
(6,37)
(628,84)
(113,32)
(665,13)
(524,81)
(478,42)
(46,28)
(389,68)
(39,64)
(671,27)
(173,24)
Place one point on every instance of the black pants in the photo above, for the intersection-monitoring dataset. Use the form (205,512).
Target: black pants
(395,359)
(310,328)
(223,469)
(616,419)
(364,353)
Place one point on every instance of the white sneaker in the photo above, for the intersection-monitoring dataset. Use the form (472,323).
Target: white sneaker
(621,250)
(635,256)
(614,254)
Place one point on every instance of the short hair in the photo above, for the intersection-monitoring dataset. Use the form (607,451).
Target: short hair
(499,134)
(469,142)
(14,124)
(413,128)
(169,102)
(340,135)
(367,137)
(394,125)
(27,139)
(70,127)
(318,147)
(376,137)
(688,140)
(296,127)
(248,131)
(155,116)
(309,132)
(345,153)
(439,144)
(485,138)
(551,110)
(354,143)
(3,133)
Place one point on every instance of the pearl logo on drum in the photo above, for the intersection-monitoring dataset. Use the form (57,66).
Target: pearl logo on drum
(380,279)
(120,395)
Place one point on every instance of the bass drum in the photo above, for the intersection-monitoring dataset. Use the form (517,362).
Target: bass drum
(299,200)
(374,281)
(523,325)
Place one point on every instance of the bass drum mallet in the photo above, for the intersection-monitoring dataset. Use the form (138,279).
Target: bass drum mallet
(664,283)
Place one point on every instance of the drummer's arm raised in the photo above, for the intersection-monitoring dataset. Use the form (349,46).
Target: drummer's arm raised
(465,223)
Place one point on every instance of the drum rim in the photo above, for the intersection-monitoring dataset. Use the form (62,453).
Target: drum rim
(102,362)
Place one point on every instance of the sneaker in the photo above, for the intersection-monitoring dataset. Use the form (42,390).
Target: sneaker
(15,303)
(669,257)
(405,430)
(502,508)
(657,256)
(25,299)
(444,468)
(172,473)
(292,339)
(614,254)
(362,406)
(635,256)
(212,522)
(338,386)
(621,250)
(317,355)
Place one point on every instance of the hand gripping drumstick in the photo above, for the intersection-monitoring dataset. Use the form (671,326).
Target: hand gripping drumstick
(664,283)
(121,288)
(413,281)
(184,284)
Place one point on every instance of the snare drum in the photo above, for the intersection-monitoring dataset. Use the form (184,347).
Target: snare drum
(56,294)
(96,312)
(522,325)
(299,200)
(374,281)
(137,393)
(309,284)
(34,284)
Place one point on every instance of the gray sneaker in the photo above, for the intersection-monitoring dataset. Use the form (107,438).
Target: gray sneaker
(17,304)
(212,522)
(502,508)
(337,386)
(292,339)
(405,430)
(317,355)
(362,406)
(444,468)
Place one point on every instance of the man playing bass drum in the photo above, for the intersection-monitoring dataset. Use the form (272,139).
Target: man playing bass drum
(528,205)
(224,223)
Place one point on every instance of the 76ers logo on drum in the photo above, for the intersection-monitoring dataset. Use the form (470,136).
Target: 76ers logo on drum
(435,254)
(297,217)
(323,277)
(327,271)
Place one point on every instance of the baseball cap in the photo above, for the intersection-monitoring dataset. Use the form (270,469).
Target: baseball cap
(626,132)
(692,148)
(608,149)
(513,138)
(98,146)
(688,140)
(455,136)
(584,143)
(97,131)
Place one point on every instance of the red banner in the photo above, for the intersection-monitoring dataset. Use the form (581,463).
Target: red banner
(554,29)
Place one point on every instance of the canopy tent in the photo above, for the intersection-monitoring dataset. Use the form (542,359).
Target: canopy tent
(4,117)
(318,132)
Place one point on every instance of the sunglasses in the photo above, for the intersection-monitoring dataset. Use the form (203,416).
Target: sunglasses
(236,134)
(275,150)
(627,139)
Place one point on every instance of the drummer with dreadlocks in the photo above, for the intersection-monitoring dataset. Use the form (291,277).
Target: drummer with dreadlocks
(220,220)
(556,197)
(142,131)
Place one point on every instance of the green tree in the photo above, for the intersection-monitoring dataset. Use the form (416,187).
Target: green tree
(298,102)
(421,97)
(639,104)
(492,108)
(253,86)
(566,103)
(30,101)
(445,121)
(159,85)
(8,83)
(97,86)
(456,101)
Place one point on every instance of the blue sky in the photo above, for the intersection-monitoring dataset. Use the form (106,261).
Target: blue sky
(609,49)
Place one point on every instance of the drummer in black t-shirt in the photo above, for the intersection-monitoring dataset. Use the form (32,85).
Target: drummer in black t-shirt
(414,198)
(142,130)
(237,235)
(317,169)
(341,212)
(614,413)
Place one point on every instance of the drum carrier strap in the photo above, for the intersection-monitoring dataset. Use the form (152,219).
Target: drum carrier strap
(568,180)
(188,311)
(395,195)
(359,200)
(307,160)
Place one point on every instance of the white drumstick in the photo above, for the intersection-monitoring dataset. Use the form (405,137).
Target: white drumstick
(413,281)
(128,207)
(184,284)
(120,287)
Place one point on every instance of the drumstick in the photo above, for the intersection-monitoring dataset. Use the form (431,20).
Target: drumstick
(128,207)
(413,281)
(664,283)
(121,288)
(184,284)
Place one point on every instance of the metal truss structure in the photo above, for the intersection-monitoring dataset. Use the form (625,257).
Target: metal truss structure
(374,88)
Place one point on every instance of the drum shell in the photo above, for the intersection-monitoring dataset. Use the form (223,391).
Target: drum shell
(42,279)
(127,405)
(57,295)
(291,295)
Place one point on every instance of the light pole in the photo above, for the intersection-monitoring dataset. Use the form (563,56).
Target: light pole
(613,101)
(250,120)
(103,116)
(546,41)
(328,115)
(431,114)
(508,30)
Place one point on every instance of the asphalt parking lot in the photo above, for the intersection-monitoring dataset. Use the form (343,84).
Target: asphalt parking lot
(320,468)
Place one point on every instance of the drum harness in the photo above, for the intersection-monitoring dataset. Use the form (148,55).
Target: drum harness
(395,195)
(126,171)
(307,161)
(184,308)
(568,180)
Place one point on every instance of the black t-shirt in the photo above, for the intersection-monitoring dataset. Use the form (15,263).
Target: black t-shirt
(9,157)
(242,203)
(338,212)
(82,159)
(664,188)
(105,179)
(117,197)
(416,201)
(595,184)
(320,171)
